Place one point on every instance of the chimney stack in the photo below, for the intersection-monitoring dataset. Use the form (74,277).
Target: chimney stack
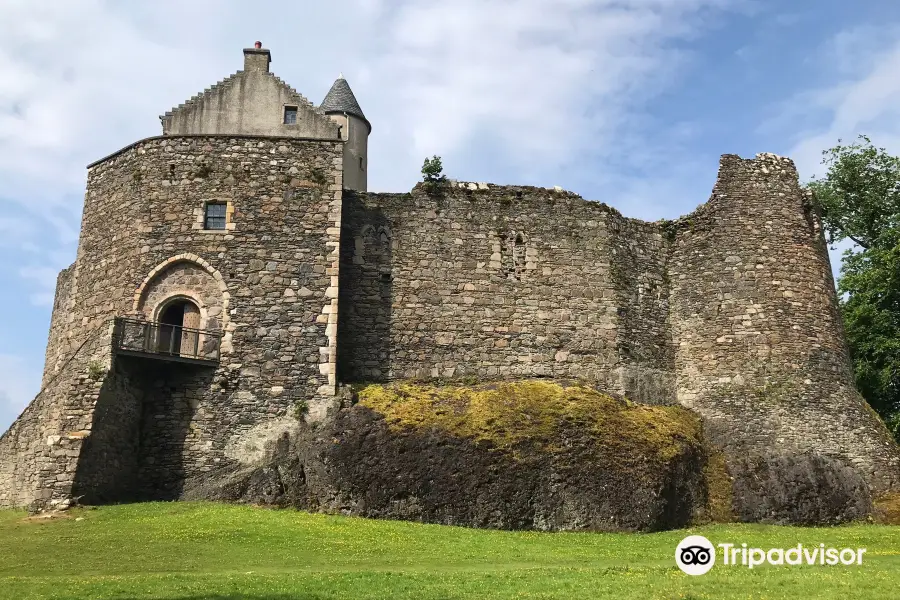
(257,58)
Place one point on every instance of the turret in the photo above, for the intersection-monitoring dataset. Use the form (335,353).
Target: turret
(341,106)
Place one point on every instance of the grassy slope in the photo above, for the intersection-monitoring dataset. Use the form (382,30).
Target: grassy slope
(188,550)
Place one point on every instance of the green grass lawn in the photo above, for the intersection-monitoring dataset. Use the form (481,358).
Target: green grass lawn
(199,550)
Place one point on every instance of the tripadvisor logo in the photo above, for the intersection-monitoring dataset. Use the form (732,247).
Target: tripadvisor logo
(696,555)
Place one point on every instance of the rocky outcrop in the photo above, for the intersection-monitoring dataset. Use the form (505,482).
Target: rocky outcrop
(531,455)
(511,456)
(798,489)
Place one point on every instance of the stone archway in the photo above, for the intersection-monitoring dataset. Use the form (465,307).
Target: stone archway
(189,279)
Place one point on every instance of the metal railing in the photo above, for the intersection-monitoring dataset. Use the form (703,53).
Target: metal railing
(166,341)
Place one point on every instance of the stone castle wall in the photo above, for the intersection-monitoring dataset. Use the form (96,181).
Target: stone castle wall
(730,311)
(39,452)
(57,344)
(760,350)
(270,280)
(498,282)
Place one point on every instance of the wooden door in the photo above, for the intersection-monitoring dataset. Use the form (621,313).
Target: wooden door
(190,340)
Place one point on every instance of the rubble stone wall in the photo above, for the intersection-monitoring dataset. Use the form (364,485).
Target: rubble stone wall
(58,347)
(499,282)
(39,452)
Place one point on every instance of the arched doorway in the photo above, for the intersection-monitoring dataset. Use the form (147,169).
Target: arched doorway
(179,322)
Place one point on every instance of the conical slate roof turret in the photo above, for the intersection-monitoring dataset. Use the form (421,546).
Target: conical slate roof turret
(340,99)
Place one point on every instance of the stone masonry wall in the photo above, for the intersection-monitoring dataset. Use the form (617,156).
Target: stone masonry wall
(730,311)
(57,347)
(638,267)
(494,282)
(760,349)
(39,452)
(107,464)
(275,266)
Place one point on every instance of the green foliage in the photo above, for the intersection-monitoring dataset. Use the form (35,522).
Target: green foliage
(95,370)
(169,550)
(860,194)
(669,229)
(718,487)
(860,200)
(301,409)
(433,174)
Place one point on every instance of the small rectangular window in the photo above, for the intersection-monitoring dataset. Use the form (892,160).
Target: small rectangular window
(361,164)
(290,115)
(214,216)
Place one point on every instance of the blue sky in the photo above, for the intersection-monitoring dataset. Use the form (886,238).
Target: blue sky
(626,101)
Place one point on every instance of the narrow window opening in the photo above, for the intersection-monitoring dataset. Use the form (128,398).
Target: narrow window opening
(519,256)
(512,256)
(290,115)
(214,215)
(361,166)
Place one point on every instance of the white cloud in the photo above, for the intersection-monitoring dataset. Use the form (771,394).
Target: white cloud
(865,100)
(511,90)
(544,81)
(862,98)
(514,91)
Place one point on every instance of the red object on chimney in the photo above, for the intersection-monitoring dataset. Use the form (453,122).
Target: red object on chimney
(258,44)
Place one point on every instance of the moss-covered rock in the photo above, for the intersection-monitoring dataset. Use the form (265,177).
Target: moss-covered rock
(530,416)
(524,455)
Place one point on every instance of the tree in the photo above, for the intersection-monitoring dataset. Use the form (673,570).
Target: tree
(860,199)
(432,174)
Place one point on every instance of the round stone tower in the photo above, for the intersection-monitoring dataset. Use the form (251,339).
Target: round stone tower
(759,344)
(200,315)
(341,106)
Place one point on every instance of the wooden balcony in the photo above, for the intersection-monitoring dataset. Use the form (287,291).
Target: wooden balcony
(162,341)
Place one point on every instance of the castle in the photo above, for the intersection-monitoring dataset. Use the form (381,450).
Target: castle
(234,271)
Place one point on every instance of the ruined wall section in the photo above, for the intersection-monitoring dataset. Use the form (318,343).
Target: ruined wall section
(487,281)
(39,452)
(57,344)
(759,346)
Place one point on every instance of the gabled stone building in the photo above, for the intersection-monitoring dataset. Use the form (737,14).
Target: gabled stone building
(233,271)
